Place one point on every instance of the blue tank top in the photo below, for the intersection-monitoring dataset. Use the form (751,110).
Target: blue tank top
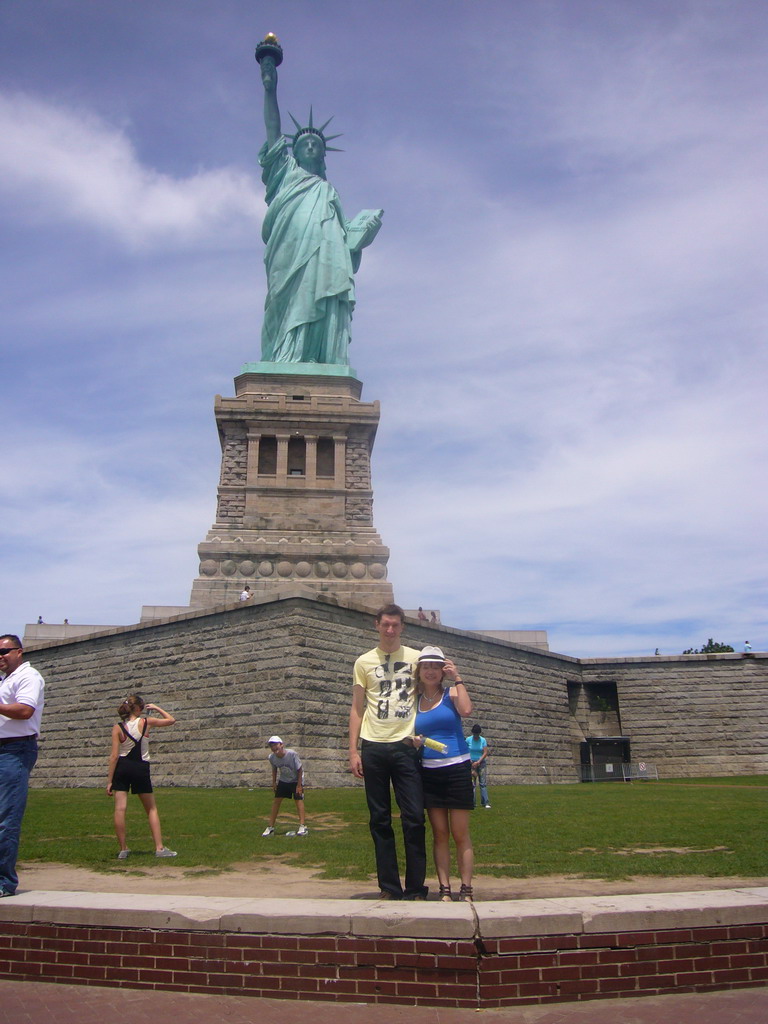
(443,723)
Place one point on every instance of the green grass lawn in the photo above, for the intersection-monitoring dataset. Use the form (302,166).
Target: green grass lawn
(712,827)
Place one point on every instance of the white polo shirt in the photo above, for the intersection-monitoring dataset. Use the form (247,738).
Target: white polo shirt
(24,685)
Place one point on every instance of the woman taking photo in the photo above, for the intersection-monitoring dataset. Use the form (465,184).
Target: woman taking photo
(129,768)
(446,772)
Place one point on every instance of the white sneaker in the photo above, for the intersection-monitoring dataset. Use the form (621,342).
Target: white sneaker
(123,855)
(268,831)
(303,830)
(487,807)
(165,852)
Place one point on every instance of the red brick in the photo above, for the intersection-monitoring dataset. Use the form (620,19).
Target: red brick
(538,989)
(231,981)
(674,936)
(279,942)
(748,931)
(711,934)
(362,973)
(52,970)
(538,960)
(376,988)
(72,958)
(186,978)
(580,987)
(92,974)
(159,949)
(666,982)
(579,956)
(618,985)
(616,956)
(415,988)
(695,978)
(285,970)
(728,976)
(636,939)
(747,960)
(711,963)
(494,993)
(636,970)
(517,977)
(336,958)
(59,944)
(376,959)
(560,972)
(525,945)
(358,945)
(592,941)
(601,971)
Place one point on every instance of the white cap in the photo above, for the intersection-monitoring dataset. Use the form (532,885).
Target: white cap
(431,654)
(274,739)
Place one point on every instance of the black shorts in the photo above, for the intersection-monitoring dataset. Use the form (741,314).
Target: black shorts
(131,776)
(283,789)
(449,787)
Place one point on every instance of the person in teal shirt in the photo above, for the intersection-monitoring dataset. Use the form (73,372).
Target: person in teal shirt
(478,751)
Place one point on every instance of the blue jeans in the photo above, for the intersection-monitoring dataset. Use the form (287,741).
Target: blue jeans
(398,764)
(17,759)
(479,774)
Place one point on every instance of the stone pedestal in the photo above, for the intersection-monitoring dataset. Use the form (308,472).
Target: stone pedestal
(295,503)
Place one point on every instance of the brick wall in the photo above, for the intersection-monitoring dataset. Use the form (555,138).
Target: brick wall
(414,971)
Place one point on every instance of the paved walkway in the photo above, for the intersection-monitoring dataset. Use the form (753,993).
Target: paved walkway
(31,1002)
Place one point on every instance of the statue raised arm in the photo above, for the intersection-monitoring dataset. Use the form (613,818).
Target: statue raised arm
(312,251)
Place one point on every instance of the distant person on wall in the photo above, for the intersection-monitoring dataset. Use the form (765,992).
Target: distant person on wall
(287,781)
(422,615)
(129,768)
(381,718)
(478,751)
(246,594)
(21,709)
(433,618)
(442,702)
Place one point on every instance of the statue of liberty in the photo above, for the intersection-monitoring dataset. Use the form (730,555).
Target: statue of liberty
(312,251)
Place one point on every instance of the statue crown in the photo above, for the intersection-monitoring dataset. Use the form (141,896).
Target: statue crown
(310,129)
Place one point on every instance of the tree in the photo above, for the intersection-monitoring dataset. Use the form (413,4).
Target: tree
(711,647)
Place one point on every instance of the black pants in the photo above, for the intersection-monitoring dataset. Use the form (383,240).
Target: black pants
(398,764)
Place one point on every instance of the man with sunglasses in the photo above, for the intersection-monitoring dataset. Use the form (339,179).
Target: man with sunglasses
(21,708)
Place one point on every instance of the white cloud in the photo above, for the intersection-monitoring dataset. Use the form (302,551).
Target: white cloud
(67,164)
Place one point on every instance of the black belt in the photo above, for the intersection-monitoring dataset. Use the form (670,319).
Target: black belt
(19,739)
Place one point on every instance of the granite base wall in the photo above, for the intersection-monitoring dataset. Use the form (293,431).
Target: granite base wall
(232,676)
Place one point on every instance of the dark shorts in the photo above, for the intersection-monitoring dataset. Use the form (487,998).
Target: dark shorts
(283,789)
(449,787)
(131,776)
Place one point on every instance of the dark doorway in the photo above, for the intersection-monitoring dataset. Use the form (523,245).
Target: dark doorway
(602,759)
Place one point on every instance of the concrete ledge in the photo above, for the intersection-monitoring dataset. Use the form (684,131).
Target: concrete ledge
(573,915)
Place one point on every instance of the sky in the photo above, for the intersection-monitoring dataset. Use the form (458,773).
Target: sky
(564,314)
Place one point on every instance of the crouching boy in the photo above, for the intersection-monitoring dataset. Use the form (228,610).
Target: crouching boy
(287,781)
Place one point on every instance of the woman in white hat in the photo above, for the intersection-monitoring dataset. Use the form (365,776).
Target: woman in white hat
(446,771)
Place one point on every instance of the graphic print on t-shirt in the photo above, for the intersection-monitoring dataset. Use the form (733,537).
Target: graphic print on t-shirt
(394,686)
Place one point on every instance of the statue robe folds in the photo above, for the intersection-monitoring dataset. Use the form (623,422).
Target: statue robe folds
(310,283)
